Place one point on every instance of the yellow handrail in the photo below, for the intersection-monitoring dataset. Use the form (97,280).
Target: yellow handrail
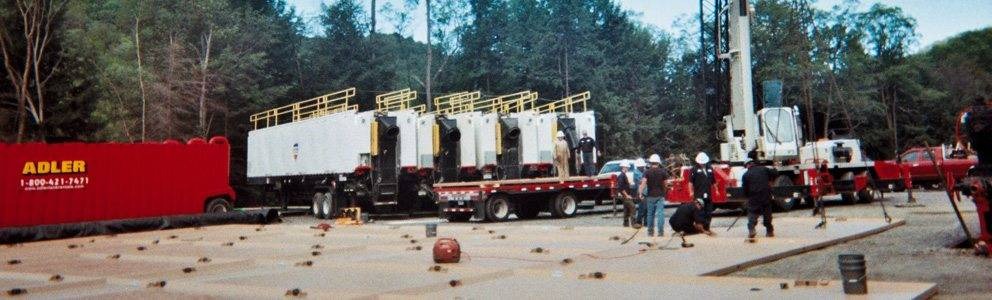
(568,104)
(396,100)
(457,102)
(306,109)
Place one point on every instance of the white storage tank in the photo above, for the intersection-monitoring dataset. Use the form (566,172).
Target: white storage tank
(528,121)
(311,147)
(407,148)
(547,128)
(467,145)
(485,139)
(425,141)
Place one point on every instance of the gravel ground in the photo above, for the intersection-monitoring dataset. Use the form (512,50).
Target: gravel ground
(920,251)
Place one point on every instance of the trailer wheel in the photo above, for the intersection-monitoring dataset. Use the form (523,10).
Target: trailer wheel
(564,205)
(318,200)
(497,208)
(218,205)
(328,208)
(785,204)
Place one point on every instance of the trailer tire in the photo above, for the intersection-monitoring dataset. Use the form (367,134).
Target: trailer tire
(528,210)
(785,204)
(564,205)
(218,205)
(318,200)
(497,208)
(328,207)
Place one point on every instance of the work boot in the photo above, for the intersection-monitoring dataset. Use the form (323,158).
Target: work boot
(626,223)
(769,234)
(651,233)
(751,234)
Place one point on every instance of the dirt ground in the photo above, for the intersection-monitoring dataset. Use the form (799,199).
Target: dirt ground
(920,251)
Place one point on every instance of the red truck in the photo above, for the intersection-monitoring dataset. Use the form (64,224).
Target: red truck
(44,184)
(954,165)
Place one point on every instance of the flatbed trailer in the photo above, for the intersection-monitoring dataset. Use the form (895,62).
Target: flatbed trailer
(494,200)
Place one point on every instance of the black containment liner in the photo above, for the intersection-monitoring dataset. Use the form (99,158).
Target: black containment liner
(60,231)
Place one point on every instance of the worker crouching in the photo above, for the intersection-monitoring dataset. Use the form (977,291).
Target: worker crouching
(691,218)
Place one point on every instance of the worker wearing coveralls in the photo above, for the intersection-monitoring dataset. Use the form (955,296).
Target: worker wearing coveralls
(756,183)
(626,184)
(561,156)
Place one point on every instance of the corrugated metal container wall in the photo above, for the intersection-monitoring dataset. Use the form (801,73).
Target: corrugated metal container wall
(78,182)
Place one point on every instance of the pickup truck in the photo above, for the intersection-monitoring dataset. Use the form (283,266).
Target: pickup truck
(921,166)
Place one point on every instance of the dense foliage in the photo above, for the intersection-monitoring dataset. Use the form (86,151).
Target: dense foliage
(128,70)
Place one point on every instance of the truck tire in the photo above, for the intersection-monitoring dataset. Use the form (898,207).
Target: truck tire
(318,200)
(328,207)
(867,195)
(218,205)
(785,204)
(528,210)
(564,205)
(497,208)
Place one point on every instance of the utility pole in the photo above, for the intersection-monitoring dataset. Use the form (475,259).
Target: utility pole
(427,83)
(372,23)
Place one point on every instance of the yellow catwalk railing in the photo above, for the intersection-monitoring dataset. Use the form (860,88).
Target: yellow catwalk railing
(568,104)
(510,103)
(306,109)
(398,100)
(455,102)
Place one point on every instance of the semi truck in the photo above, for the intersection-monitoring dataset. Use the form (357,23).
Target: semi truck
(48,184)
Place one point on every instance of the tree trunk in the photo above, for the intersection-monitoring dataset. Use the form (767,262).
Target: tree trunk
(141,81)
(427,83)
(203,85)
(372,23)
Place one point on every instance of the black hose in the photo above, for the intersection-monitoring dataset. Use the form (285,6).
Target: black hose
(60,231)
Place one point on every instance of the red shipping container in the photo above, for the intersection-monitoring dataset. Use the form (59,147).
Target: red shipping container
(44,184)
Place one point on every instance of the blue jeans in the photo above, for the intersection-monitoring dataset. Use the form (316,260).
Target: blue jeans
(655,211)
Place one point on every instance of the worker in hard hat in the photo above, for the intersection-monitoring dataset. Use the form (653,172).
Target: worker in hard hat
(654,184)
(561,156)
(690,218)
(588,150)
(625,186)
(701,184)
(642,209)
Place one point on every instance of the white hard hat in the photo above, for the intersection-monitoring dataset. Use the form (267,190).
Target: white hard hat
(625,164)
(654,159)
(702,158)
(560,134)
(640,163)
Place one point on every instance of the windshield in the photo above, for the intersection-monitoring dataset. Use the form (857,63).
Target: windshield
(779,126)
(610,167)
